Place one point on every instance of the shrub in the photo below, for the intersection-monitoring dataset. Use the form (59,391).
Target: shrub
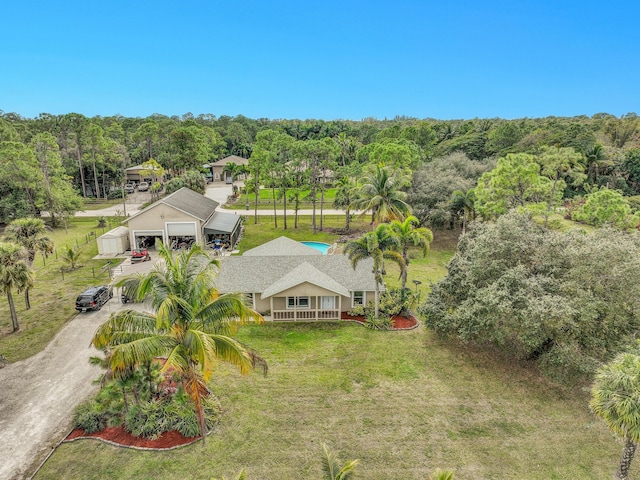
(397,301)
(88,417)
(114,194)
(148,419)
(383,322)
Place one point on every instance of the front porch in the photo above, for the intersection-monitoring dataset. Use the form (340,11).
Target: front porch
(306,308)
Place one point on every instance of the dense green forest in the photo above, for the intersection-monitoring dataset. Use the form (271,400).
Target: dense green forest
(52,162)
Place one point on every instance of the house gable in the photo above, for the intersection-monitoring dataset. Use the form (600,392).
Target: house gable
(305,274)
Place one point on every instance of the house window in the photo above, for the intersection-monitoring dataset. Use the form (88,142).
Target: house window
(297,302)
(328,303)
(357,299)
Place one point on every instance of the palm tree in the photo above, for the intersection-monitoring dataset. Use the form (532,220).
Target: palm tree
(333,470)
(380,192)
(191,324)
(29,232)
(615,397)
(345,198)
(408,234)
(378,246)
(464,201)
(15,273)
(235,169)
(71,255)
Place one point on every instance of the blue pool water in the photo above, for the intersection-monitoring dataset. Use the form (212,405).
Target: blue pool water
(323,247)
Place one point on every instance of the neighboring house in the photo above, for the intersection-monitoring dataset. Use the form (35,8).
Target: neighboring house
(133,175)
(181,219)
(217,169)
(293,282)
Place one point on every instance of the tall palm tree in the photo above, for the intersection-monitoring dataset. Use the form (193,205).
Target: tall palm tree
(333,470)
(408,234)
(378,246)
(346,194)
(615,397)
(191,324)
(464,201)
(15,274)
(380,192)
(30,233)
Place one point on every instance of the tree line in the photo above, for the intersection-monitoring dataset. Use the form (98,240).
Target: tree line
(52,162)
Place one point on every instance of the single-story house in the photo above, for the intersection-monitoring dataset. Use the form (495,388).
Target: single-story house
(217,169)
(134,176)
(181,219)
(292,282)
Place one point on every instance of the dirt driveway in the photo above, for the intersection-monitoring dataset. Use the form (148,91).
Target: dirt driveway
(38,395)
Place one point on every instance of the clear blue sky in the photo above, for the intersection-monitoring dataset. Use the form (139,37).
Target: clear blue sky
(328,60)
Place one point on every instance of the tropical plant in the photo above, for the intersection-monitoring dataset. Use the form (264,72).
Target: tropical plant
(442,475)
(15,274)
(408,234)
(71,254)
(615,397)
(235,170)
(191,325)
(30,233)
(377,246)
(346,195)
(464,202)
(380,193)
(332,468)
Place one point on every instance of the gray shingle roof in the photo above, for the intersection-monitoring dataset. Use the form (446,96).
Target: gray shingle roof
(301,274)
(187,201)
(281,246)
(191,202)
(255,274)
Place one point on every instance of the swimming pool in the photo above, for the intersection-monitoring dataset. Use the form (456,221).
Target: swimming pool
(323,247)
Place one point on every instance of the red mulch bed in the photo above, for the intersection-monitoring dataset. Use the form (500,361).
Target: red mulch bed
(119,436)
(399,322)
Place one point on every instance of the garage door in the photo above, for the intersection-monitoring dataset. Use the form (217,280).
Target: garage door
(181,229)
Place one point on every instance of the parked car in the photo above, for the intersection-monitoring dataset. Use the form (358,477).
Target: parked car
(143,186)
(94,298)
(140,255)
(129,188)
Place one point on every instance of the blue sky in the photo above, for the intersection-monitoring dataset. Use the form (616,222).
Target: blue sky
(327,60)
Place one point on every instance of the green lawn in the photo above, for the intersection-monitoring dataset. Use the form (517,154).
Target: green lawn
(265,200)
(404,403)
(264,230)
(53,296)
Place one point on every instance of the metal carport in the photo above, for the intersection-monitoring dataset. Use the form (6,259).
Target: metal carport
(223,226)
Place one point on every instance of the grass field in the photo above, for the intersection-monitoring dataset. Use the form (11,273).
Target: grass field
(53,296)
(404,403)
(265,201)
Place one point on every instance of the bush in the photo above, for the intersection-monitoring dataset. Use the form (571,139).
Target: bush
(397,301)
(89,417)
(148,419)
(383,322)
(114,194)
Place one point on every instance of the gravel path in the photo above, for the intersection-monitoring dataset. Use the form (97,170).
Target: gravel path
(38,394)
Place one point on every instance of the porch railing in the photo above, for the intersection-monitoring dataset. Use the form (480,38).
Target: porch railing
(304,315)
